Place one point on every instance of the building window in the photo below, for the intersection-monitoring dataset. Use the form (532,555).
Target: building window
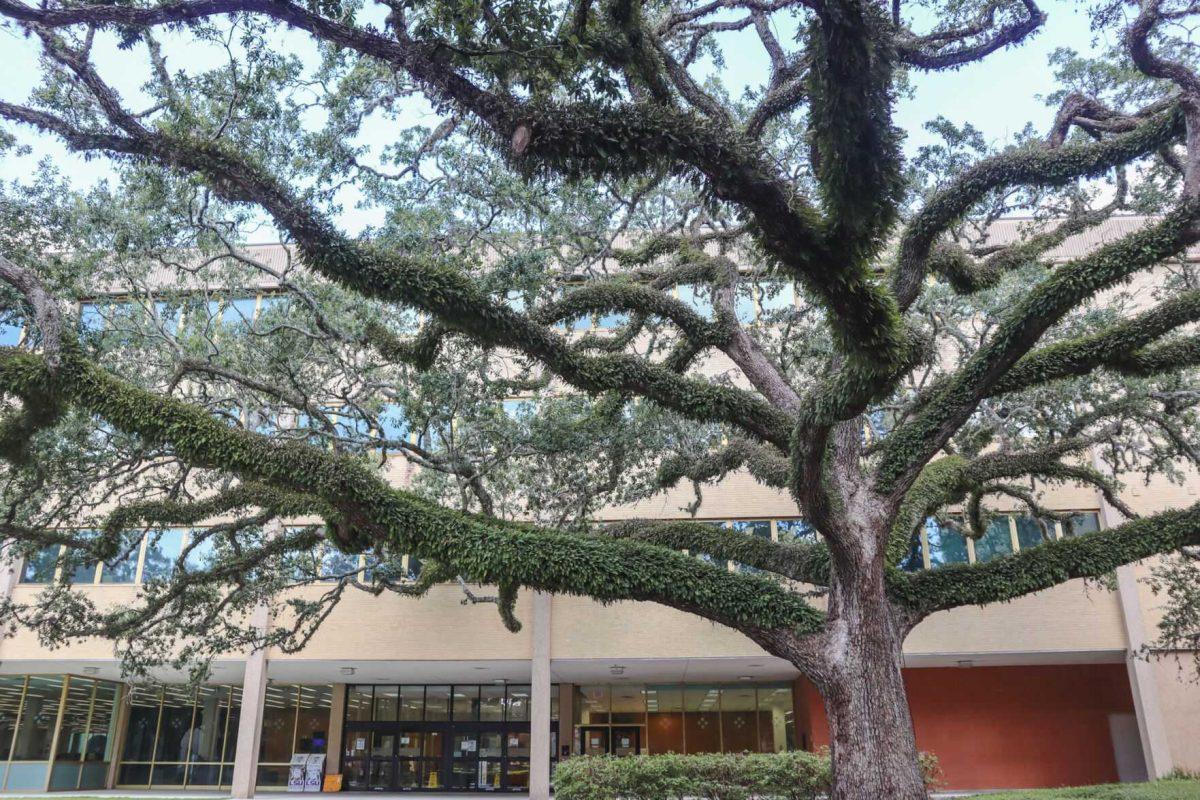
(996,541)
(41,566)
(10,331)
(163,549)
(296,720)
(179,737)
(1084,522)
(946,544)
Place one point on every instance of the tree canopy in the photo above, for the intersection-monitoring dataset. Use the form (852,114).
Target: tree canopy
(682,282)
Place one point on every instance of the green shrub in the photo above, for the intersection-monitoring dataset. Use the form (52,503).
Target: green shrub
(790,776)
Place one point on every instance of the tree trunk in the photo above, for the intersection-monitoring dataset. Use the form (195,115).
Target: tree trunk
(874,749)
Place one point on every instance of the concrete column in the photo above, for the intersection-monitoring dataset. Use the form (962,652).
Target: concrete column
(254,696)
(1152,729)
(539,705)
(333,740)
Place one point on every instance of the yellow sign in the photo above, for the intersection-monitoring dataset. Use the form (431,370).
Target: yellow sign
(333,783)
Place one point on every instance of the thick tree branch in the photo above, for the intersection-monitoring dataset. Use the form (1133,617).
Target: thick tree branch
(368,512)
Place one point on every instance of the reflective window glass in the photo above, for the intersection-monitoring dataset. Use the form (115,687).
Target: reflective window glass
(776,296)
(412,703)
(202,550)
(72,735)
(10,332)
(359,703)
(437,703)
(591,705)
(39,567)
(946,544)
(142,724)
(239,310)
(207,740)
(393,423)
(794,531)
(123,569)
(745,307)
(162,550)
(995,542)
(39,714)
(466,703)
(1029,532)
(739,719)
(776,728)
(387,701)
(698,297)
(279,724)
(11,688)
(1085,522)
(518,703)
(628,705)
(174,724)
(102,728)
(491,703)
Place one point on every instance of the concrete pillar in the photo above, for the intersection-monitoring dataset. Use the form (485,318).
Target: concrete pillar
(1152,730)
(254,696)
(337,719)
(539,704)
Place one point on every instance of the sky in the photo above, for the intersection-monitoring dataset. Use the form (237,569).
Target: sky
(999,96)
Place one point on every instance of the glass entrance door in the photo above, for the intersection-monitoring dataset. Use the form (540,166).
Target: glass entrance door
(595,741)
(626,741)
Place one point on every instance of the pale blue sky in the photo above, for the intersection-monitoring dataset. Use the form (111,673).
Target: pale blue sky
(999,96)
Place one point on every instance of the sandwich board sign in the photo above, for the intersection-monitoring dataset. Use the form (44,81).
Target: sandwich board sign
(313,772)
(296,771)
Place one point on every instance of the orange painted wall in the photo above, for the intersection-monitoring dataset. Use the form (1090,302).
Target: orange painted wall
(1008,727)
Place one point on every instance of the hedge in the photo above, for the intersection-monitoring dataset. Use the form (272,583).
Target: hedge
(796,775)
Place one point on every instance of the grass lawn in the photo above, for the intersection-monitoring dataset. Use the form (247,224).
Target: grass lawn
(1159,790)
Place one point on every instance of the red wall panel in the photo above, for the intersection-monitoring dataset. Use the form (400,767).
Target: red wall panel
(1008,727)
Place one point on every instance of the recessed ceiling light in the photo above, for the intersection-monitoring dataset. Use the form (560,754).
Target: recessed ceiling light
(965,663)
(745,677)
(91,670)
(499,681)
(348,670)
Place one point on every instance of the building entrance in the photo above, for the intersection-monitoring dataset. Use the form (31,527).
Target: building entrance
(615,741)
(460,739)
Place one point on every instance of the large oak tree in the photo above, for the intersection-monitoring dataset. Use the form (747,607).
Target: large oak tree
(585,162)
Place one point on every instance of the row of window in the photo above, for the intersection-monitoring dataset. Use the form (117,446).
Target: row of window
(1008,533)
(937,544)
(157,552)
(673,718)
(177,736)
(153,556)
(458,703)
(31,726)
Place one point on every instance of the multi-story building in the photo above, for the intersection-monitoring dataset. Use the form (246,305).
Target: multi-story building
(431,693)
